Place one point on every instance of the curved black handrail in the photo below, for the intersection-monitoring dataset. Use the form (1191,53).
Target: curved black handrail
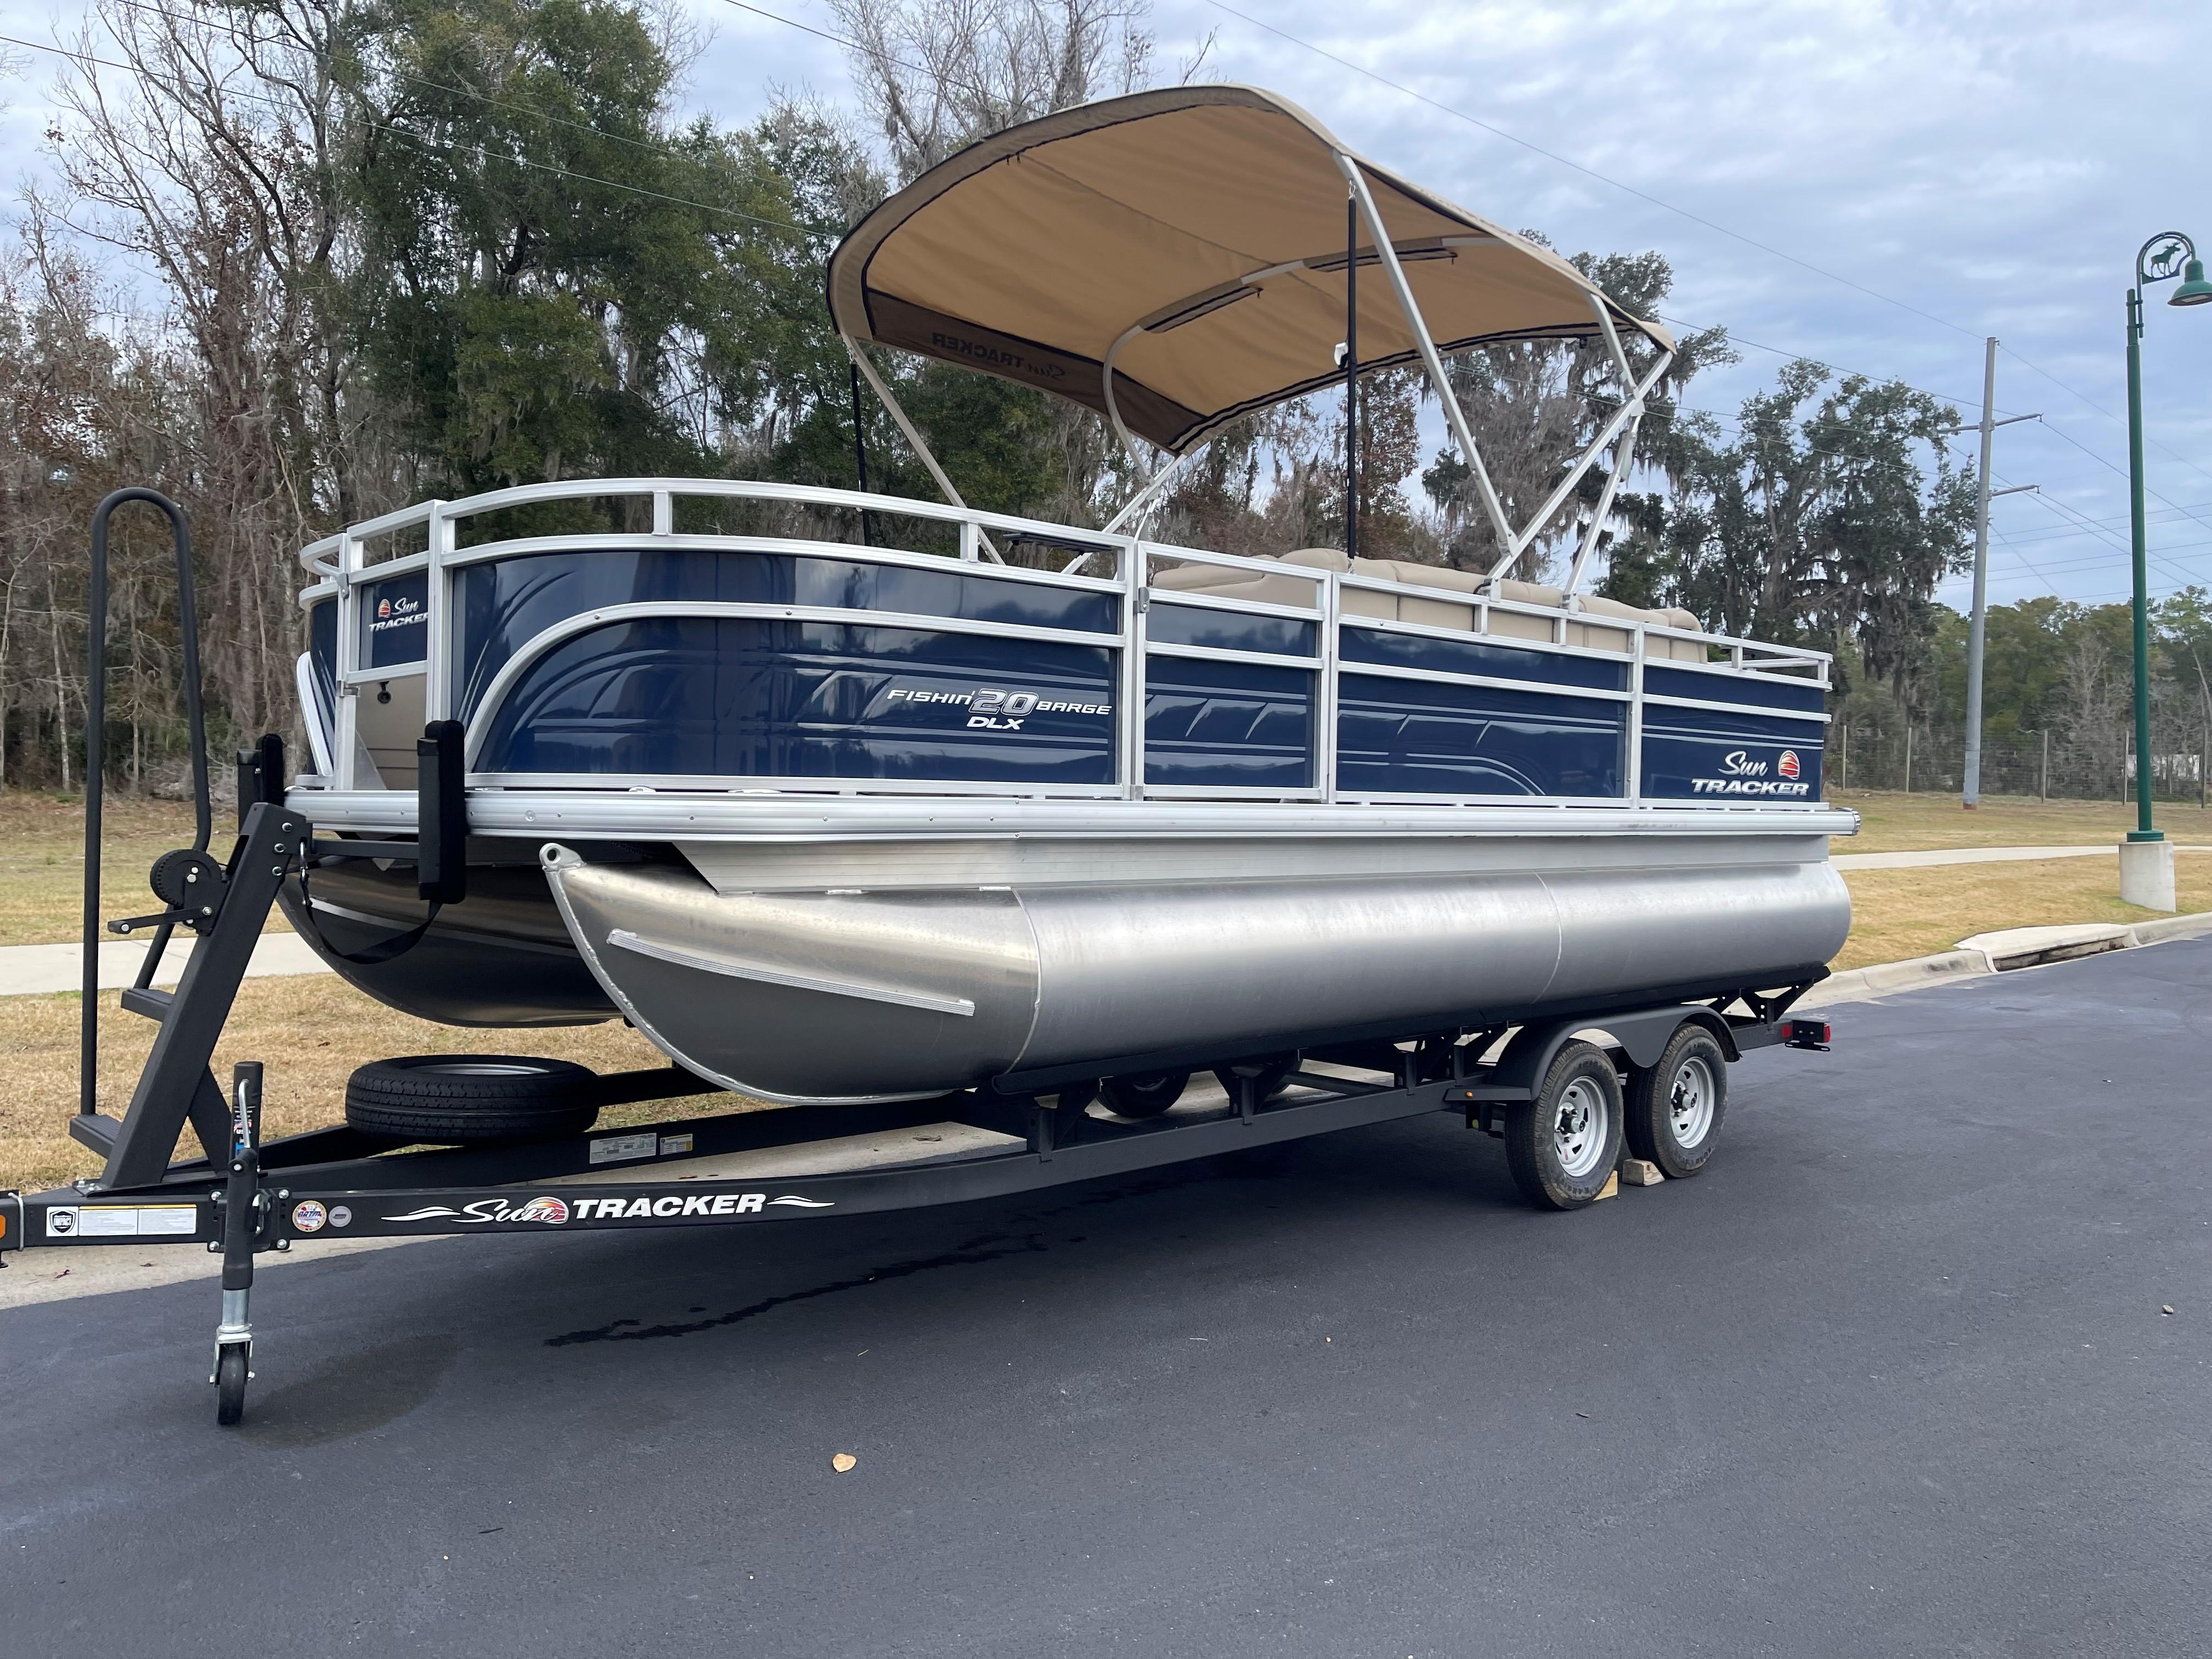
(95,725)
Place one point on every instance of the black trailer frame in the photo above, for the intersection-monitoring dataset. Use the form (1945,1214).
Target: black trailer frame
(242,1198)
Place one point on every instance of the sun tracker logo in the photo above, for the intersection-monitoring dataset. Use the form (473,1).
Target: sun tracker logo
(402,612)
(1742,774)
(551,1210)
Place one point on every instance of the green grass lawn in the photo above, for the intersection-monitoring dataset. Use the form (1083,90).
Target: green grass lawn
(1895,823)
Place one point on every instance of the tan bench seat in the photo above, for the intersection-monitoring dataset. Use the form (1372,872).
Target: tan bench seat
(1453,606)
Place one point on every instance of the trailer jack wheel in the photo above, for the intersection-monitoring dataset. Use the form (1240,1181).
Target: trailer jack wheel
(232,1367)
(244,1208)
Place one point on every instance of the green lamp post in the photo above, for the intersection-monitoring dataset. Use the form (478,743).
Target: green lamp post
(2165,256)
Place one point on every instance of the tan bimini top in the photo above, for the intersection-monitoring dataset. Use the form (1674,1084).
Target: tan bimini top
(1195,236)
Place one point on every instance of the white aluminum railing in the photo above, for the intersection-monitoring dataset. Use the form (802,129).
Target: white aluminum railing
(346,561)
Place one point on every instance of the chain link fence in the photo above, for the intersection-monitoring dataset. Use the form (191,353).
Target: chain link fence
(2048,765)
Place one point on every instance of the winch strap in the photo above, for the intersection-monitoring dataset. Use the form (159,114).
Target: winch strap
(385,950)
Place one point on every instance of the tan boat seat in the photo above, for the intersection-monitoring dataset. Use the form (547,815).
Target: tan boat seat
(1679,650)
(1592,637)
(1219,581)
(1585,625)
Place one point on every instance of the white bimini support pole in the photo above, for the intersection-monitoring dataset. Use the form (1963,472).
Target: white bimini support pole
(914,438)
(1492,507)
(1620,460)
(1511,545)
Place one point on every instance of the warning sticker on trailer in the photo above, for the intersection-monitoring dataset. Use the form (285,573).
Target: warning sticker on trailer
(122,1221)
(617,1149)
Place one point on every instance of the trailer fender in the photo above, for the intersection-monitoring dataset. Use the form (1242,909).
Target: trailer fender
(1642,1036)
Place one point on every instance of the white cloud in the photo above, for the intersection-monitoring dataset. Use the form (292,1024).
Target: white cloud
(1994,163)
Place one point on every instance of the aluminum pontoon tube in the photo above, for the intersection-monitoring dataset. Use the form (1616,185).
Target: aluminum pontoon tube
(827,997)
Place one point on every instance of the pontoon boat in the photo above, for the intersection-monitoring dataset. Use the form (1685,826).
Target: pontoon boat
(841,797)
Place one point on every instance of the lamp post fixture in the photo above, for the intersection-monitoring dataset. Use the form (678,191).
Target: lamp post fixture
(2167,255)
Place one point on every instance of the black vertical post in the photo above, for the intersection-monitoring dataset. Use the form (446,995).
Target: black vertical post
(95,755)
(441,814)
(860,449)
(1351,377)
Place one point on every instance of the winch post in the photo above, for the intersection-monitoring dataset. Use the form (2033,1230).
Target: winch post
(176,1083)
(242,1231)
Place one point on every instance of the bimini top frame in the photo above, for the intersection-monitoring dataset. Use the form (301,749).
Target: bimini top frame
(1176,258)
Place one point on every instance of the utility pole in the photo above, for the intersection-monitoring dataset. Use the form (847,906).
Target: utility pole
(1977,632)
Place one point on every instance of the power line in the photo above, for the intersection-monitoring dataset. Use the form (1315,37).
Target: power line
(2085,398)
(2109,466)
(2064,511)
(851,45)
(1695,218)
(2015,552)
(1553,155)
(1801,357)
(2183,553)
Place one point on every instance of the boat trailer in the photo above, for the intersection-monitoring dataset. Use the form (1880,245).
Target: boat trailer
(243,1197)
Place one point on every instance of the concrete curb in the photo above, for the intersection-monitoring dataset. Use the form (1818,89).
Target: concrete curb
(1858,984)
(1882,978)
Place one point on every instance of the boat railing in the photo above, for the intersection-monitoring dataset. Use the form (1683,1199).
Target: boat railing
(370,569)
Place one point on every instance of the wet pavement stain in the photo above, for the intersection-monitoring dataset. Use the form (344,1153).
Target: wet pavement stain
(994,1247)
(350,1395)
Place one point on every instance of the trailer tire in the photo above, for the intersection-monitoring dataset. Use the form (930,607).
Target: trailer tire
(1675,1108)
(469,1100)
(1142,1095)
(1270,1074)
(1565,1145)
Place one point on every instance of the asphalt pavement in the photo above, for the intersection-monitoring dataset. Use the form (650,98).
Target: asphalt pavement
(1894,1376)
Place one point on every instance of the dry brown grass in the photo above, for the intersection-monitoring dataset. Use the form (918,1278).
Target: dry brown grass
(310,1032)
(42,861)
(1896,822)
(1896,913)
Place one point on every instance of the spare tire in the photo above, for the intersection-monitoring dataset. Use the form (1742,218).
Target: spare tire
(471,1100)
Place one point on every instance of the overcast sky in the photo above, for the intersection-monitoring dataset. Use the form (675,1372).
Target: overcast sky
(1951,170)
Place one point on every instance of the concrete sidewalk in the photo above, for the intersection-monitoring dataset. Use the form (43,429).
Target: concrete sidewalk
(1930,857)
(36,970)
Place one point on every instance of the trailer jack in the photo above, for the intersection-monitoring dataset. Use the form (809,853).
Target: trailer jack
(243,1208)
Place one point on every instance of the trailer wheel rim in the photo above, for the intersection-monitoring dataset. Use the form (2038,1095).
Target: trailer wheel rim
(1579,1128)
(1690,1102)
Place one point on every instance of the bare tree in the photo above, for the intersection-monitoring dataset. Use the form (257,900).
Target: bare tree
(938,75)
(214,160)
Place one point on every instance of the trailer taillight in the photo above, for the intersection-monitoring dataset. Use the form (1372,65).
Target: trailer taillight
(1811,1034)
